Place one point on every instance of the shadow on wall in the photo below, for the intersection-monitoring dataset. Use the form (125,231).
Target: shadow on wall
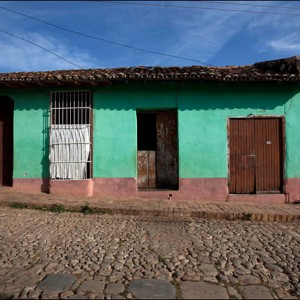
(45,160)
(132,96)
(194,95)
(238,96)
(35,103)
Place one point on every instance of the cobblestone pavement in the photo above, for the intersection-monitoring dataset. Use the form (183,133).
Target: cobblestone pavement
(46,255)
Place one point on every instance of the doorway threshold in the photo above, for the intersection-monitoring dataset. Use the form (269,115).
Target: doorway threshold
(158,189)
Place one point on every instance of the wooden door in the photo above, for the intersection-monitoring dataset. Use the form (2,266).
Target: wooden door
(255,160)
(6,141)
(146,169)
(157,157)
(146,156)
(268,147)
(242,156)
(167,150)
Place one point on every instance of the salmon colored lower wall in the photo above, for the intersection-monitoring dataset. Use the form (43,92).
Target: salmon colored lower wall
(204,188)
(292,189)
(80,188)
(34,185)
(115,187)
(214,189)
(199,189)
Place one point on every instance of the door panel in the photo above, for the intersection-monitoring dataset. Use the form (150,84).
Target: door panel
(167,150)
(242,156)
(157,149)
(142,168)
(268,155)
(146,169)
(255,147)
(146,130)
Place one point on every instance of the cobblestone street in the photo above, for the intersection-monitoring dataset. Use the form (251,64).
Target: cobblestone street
(71,255)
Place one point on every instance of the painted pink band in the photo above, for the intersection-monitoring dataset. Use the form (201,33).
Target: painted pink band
(199,189)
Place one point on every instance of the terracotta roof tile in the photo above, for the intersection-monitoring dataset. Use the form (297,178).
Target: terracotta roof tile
(282,70)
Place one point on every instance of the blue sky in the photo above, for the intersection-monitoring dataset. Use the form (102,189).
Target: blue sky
(209,32)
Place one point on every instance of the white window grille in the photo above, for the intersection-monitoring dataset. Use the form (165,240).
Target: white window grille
(70,135)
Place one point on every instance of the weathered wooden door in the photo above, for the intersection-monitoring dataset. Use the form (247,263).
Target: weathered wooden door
(167,152)
(146,157)
(157,158)
(6,141)
(146,169)
(255,162)
(242,156)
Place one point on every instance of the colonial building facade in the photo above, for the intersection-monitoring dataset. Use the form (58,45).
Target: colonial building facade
(202,133)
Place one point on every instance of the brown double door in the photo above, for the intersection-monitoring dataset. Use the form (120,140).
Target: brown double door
(256,155)
(157,150)
(6,141)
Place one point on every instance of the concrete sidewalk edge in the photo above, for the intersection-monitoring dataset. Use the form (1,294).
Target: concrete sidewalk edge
(92,208)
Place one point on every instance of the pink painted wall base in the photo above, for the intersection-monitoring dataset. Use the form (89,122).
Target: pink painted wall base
(199,189)
(214,189)
(77,188)
(292,189)
(35,185)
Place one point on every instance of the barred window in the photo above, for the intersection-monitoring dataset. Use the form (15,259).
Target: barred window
(70,135)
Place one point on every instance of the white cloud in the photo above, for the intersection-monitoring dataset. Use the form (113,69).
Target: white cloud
(195,33)
(204,34)
(288,43)
(278,35)
(276,23)
(19,55)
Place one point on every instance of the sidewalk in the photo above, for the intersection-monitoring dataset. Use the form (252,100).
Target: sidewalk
(196,209)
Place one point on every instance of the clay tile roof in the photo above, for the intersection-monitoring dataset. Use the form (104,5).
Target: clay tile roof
(280,70)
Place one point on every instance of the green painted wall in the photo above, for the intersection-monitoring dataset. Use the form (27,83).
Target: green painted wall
(115,129)
(203,111)
(203,114)
(31,138)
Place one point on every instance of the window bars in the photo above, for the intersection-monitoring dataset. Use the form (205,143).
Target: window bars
(70,135)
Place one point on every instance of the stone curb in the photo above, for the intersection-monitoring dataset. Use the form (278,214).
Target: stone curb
(170,212)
